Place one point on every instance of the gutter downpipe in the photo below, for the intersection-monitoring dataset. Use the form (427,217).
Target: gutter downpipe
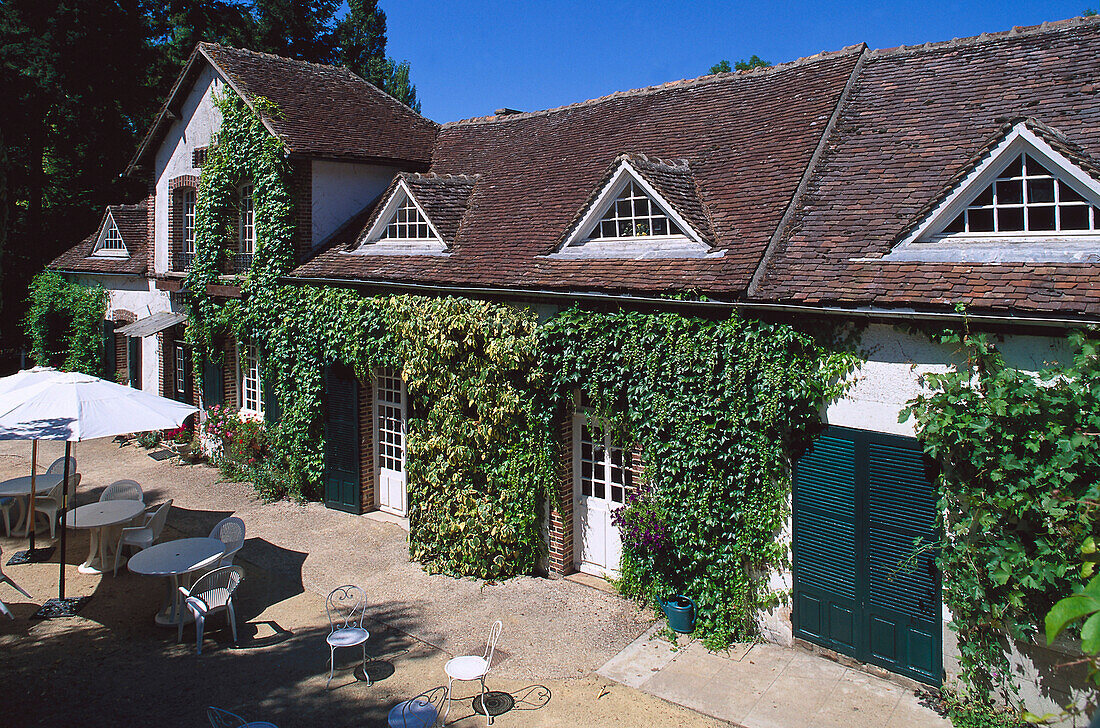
(867,312)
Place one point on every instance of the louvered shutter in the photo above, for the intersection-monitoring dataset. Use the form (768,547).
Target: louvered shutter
(109,362)
(342,440)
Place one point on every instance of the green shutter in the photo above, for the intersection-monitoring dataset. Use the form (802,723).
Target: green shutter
(861,501)
(133,361)
(342,440)
(213,383)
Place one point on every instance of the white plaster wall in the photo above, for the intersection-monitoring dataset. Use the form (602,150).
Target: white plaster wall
(199,119)
(342,189)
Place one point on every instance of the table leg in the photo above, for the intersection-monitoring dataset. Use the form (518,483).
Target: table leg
(90,565)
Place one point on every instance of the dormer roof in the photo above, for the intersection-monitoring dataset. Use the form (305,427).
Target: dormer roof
(324,111)
(132,222)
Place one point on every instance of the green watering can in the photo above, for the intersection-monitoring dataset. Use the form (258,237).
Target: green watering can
(680,611)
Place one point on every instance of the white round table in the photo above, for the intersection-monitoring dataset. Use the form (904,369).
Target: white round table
(21,488)
(173,559)
(100,517)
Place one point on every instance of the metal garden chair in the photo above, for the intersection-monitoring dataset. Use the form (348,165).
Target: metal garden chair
(419,712)
(473,667)
(5,579)
(345,607)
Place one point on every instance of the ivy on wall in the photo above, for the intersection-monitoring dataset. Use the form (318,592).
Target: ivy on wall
(1020,473)
(718,410)
(64,323)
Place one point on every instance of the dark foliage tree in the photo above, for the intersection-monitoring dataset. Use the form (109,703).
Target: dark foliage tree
(742,65)
(361,38)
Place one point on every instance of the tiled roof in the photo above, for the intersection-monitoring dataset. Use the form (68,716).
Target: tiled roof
(444,199)
(746,138)
(916,119)
(133,226)
(324,111)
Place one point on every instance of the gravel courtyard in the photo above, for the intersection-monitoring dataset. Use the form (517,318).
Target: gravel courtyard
(112,665)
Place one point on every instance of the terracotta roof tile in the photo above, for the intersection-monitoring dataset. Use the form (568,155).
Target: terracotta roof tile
(133,226)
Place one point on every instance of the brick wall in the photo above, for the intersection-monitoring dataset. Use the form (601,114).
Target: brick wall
(368,484)
(176,187)
(560,549)
(229,372)
(301,191)
(150,226)
(120,319)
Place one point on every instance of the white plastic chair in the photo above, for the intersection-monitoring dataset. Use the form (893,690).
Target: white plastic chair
(420,712)
(5,579)
(122,490)
(49,505)
(6,507)
(212,592)
(142,537)
(473,667)
(224,719)
(230,531)
(57,467)
(345,607)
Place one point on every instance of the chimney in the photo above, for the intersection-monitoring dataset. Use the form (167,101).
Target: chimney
(507,112)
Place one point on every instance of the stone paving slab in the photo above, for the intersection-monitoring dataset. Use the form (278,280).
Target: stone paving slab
(767,686)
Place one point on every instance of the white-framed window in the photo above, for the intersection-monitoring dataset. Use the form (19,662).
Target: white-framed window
(604,463)
(1026,197)
(110,241)
(407,223)
(180,360)
(246,221)
(634,215)
(187,201)
(249,378)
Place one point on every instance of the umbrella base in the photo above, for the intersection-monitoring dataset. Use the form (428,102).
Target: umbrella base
(61,608)
(31,556)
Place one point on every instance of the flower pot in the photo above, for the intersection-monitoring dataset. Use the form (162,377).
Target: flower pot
(680,612)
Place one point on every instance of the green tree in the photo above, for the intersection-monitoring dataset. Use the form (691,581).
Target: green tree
(742,65)
(361,38)
(301,29)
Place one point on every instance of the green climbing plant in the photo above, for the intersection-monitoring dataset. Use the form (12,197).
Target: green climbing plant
(64,323)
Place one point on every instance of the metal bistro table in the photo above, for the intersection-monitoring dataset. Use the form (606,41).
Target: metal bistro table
(21,488)
(174,559)
(101,518)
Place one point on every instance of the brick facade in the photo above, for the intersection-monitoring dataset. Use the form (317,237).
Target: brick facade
(368,483)
(150,227)
(229,373)
(176,188)
(301,194)
(560,546)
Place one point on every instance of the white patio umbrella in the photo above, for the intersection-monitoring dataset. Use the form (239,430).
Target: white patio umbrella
(70,406)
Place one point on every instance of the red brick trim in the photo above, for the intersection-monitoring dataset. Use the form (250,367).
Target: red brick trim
(176,187)
(301,191)
(560,527)
(122,351)
(150,229)
(368,483)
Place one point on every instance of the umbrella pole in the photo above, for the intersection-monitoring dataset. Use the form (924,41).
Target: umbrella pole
(30,503)
(64,507)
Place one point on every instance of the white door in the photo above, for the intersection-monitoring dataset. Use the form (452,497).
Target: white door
(600,481)
(389,439)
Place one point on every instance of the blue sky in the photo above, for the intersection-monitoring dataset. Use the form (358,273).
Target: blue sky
(470,57)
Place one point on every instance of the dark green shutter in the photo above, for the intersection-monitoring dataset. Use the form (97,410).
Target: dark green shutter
(213,383)
(272,411)
(109,363)
(133,361)
(861,587)
(341,477)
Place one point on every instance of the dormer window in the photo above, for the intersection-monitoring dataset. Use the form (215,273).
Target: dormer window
(110,243)
(1025,197)
(401,225)
(632,215)
(1026,201)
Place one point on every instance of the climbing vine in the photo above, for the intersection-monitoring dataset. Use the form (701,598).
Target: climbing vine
(1019,456)
(64,323)
(718,410)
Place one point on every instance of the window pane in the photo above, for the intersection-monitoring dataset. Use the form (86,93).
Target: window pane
(1010,192)
(1034,168)
(956,226)
(1040,218)
(633,214)
(1040,190)
(1068,194)
(1013,169)
(980,221)
(985,198)
(1010,219)
(1075,217)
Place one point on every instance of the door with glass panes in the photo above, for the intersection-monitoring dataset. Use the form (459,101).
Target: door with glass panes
(601,479)
(389,439)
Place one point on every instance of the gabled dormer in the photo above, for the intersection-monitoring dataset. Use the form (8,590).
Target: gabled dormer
(420,214)
(1031,195)
(110,243)
(642,208)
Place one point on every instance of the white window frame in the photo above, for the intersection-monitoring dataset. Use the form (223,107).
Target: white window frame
(110,243)
(188,199)
(249,378)
(580,243)
(246,219)
(373,243)
(179,359)
(928,241)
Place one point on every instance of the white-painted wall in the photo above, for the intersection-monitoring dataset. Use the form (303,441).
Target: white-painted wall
(341,190)
(199,119)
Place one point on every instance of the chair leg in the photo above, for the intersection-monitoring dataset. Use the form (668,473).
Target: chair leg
(199,619)
(53,525)
(365,673)
(331,664)
(447,712)
(179,630)
(488,716)
(232,620)
(4,578)
(4,610)
(7,524)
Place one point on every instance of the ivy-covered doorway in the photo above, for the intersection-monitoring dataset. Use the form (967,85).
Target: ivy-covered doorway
(865,581)
(389,436)
(601,480)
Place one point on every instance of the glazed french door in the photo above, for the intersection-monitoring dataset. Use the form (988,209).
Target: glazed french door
(389,439)
(601,480)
